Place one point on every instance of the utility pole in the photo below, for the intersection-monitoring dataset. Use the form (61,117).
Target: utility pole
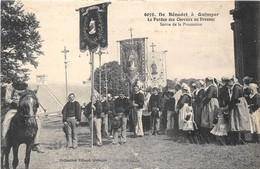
(106,78)
(65,62)
(100,54)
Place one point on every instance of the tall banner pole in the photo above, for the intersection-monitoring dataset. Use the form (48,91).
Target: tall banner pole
(92,95)
(93,34)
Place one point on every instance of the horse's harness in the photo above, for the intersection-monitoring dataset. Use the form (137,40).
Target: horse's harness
(28,96)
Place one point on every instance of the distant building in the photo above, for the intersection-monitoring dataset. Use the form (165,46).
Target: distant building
(246,28)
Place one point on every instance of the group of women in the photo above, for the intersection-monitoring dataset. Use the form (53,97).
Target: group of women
(225,111)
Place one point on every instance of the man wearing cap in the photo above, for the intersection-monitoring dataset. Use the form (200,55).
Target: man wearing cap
(122,105)
(71,117)
(138,102)
(12,97)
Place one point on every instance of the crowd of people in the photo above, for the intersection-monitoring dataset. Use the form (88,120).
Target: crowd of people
(205,111)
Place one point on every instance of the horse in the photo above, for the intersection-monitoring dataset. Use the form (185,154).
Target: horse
(23,129)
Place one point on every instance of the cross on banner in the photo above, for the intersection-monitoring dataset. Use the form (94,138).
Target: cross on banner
(153,47)
(131,32)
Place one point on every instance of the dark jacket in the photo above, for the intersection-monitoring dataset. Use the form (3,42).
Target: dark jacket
(246,94)
(170,104)
(112,105)
(97,112)
(255,102)
(199,97)
(105,106)
(185,98)
(155,101)
(223,98)
(211,92)
(237,92)
(71,109)
(122,105)
(138,99)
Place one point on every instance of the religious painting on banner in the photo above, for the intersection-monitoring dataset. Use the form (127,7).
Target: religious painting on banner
(156,69)
(132,58)
(93,27)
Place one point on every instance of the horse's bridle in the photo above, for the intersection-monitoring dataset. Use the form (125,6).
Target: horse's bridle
(28,116)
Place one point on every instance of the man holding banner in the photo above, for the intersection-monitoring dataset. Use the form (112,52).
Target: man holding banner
(93,34)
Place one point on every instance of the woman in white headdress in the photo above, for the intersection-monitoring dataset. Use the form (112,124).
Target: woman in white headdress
(210,102)
(255,109)
(210,105)
(184,107)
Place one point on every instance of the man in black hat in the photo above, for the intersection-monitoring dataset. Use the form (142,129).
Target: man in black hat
(12,97)
(122,105)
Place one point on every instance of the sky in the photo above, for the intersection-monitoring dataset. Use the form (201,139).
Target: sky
(193,51)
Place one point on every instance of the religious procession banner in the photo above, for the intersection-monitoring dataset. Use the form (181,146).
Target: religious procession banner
(132,58)
(93,27)
(156,69)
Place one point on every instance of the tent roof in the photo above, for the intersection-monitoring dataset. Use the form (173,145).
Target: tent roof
(52,96)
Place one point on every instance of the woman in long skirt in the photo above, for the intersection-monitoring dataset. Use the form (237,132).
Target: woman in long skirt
(255,111)
(184,108)
(198,96)
(239,113)
(209,110)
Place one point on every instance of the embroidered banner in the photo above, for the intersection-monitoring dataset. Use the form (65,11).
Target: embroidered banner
(156,69)
(132,57)
(93,27)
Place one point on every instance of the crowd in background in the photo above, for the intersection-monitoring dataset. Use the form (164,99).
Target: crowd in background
(205,111)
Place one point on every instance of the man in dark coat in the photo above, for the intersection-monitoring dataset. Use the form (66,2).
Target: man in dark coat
(169,107)
(155,106)
(122,105)
(71,117)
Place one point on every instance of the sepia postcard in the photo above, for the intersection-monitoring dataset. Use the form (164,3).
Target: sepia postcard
(155,43)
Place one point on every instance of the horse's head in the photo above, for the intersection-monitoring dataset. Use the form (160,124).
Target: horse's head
(28,105)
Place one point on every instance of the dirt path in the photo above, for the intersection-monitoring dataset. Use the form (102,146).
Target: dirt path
(147,152)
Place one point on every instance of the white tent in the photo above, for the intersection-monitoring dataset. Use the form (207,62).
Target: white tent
(52,96)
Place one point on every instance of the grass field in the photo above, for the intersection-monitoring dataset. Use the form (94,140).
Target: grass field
(146,152)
